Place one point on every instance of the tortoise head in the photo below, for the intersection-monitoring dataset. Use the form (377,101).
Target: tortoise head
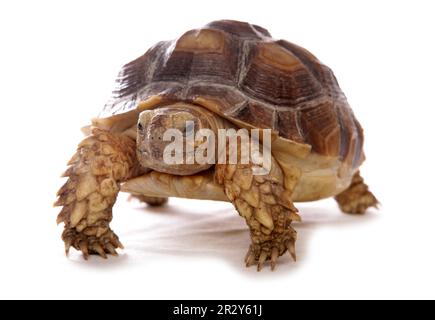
(171,129)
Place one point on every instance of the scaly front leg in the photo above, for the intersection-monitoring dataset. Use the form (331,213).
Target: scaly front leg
(267,208)
(102,161)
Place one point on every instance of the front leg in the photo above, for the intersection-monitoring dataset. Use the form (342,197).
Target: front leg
(267,208)
(102,161)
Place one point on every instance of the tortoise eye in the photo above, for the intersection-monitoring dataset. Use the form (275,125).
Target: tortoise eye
(140,127)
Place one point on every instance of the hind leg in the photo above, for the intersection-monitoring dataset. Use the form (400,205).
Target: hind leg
(151,201)
(357,198)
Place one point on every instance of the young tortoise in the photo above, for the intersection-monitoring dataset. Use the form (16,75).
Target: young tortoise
(228,74)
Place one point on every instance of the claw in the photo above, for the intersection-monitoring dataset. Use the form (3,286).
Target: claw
(111,249)
(250,260)
(84,248)
(117,243)
(274,258)
(248,255)
(291,248)
(67,246)
(99,249)
(261,260)
(295,217)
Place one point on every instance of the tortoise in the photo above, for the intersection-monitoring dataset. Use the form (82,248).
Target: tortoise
(226,75)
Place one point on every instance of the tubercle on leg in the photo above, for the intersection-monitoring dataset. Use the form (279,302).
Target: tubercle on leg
(101,163)
(267,208)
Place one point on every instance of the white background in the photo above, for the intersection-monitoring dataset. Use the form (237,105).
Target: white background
(57,65)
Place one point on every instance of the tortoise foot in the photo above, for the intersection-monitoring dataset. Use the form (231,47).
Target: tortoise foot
(259,254)
(106,243)
(357,198)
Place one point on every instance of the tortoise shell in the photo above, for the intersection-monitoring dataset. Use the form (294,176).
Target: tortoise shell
(240,72)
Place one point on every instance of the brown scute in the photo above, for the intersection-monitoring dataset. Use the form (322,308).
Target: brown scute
(240,29)
(169,91)
(239,72)
(348,134)
(135,75)
(215,57)
(303,54)
(288,125)
(217,67)
(223,98)
(175,68)
(322,129)
(256,115)
(274,55)
(202,40)
(285,82)
(322,73)
(203,54)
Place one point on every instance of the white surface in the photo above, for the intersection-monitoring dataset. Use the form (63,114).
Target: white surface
(58,62)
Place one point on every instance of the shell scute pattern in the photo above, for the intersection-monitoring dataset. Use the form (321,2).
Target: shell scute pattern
(240,72)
